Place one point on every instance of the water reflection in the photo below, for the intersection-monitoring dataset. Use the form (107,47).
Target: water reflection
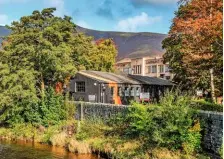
(29,150)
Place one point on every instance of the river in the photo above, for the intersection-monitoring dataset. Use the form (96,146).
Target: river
(27,150)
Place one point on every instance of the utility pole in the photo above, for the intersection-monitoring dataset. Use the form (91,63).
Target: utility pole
(212,70)
(212,85)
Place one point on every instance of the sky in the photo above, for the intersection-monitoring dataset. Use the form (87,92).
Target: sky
(105,15)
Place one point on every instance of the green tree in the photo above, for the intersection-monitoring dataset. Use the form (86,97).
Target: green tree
(41,51)
(42,43)
(37,52)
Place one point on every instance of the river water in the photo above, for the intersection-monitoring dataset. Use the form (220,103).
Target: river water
(27,150)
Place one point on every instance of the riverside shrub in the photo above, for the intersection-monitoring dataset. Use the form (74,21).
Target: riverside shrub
(50,109)
(169,124)
(206,105)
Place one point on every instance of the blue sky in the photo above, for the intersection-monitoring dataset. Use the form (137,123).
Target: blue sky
(105,15)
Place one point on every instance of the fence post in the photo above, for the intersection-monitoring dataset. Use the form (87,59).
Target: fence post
(81,112)
(81,117)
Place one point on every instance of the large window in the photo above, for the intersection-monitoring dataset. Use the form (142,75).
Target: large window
(132,92)
(137,69)
(161,68)
(80,86)
(126,91)
(154,69)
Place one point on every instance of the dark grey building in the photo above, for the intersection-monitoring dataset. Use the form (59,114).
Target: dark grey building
(105,87)
(153,87)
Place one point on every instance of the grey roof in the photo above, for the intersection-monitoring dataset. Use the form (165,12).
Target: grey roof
(151,80)
(99,76)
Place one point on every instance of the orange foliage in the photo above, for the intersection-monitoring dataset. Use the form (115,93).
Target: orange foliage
(58,87)
(201,24)
(101,40)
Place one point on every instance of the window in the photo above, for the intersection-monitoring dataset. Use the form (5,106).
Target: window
(149,69)
(161,68)
(132,92)
(161,75)
(168,77)
(138,91)
(80,86)
(166,68)
(127,70)
(126,92)
(137,69)
(154,69)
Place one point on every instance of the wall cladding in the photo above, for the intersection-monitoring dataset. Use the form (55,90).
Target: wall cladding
(211,122)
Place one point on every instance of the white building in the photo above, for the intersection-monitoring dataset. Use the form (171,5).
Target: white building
(145,66)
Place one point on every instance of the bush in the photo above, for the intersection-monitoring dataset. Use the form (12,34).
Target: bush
(169,124)
(91,128)
(206,105)
(59,139)
(49,110)
(52,108)
(79,147)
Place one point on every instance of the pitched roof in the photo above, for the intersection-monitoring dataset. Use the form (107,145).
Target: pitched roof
(151,80)
(124,60)
(108,77)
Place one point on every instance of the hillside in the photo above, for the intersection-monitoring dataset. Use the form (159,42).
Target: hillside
(3,32)
(129,44)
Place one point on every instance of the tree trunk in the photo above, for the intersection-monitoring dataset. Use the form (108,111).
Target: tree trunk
(212,86)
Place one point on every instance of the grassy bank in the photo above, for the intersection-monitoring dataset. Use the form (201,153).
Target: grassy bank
(166,130)
(92,136)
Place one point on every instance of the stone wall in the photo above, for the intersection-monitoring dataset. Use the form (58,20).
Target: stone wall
(211,122)
(85,110)
(212,131)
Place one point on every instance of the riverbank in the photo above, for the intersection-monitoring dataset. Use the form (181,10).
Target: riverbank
(89,137)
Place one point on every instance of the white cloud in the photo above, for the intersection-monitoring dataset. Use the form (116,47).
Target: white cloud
(83,24)
(13,1)
(4,19)
(133,23)
(59,5)
(155,1)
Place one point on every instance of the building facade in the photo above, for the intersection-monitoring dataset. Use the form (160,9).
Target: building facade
(105,87)
(145,66)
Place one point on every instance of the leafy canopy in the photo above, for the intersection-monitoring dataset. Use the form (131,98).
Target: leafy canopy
(41,51)
(194,44)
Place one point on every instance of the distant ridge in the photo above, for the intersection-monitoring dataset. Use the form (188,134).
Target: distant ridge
(134,45)
(3,32)
(131,44)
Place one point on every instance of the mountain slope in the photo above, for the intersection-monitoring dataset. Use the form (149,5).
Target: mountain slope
(3,32)
(129,44)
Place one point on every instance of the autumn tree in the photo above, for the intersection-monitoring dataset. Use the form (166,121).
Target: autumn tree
(194,44)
